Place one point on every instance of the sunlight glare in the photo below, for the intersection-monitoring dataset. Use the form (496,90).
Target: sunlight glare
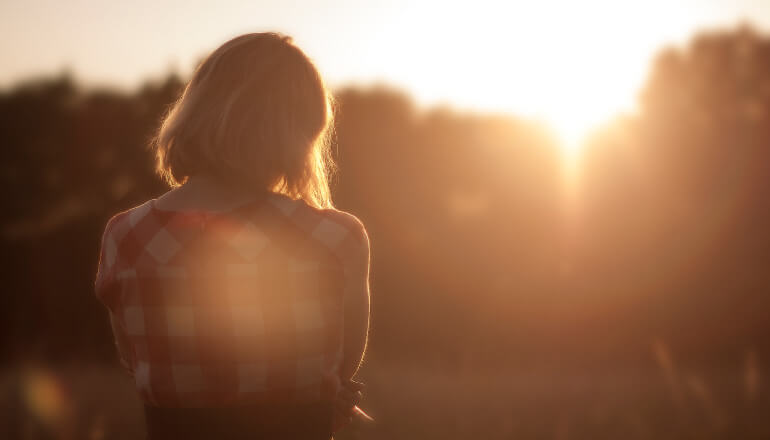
(569,66)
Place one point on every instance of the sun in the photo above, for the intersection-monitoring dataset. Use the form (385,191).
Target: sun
(573,69)
(572,124)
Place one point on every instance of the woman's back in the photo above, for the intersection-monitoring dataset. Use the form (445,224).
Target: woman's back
(229,308)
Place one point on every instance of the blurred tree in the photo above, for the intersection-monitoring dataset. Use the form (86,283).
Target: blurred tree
(474,254)
(679,195)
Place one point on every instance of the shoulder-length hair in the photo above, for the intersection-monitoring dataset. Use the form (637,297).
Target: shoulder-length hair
(257,116)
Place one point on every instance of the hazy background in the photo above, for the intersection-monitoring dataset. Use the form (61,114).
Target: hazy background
(568,207)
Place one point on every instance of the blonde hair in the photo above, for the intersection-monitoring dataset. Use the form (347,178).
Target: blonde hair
(255,115)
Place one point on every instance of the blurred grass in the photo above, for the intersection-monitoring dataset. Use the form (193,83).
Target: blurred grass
(431,402)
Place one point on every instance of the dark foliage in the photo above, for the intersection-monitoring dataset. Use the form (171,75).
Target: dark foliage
(477,258)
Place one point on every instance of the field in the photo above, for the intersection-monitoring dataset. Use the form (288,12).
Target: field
(424,402)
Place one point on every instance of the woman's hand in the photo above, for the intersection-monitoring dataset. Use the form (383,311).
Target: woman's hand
(349,395)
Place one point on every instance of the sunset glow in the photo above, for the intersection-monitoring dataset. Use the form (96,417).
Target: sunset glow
(572,70)
(468,220)
(571,65)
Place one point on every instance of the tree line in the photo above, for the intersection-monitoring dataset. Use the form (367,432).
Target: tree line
(478,253)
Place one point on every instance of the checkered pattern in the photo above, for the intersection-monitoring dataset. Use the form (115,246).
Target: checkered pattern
(244,306)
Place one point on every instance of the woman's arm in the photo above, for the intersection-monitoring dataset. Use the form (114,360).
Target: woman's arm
(123,345)
(356,328)
(106,291)
(356,304)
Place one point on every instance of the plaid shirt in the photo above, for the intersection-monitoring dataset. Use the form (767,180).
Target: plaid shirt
(237,307)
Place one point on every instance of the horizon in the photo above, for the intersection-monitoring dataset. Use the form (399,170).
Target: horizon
(478,70)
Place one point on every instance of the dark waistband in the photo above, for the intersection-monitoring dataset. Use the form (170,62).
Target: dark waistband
(263,421)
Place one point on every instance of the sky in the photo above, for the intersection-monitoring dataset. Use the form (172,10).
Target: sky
(572,64)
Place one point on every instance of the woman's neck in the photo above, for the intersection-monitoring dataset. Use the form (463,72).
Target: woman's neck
(203,192)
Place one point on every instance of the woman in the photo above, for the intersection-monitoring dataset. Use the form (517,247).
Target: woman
(239,300)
